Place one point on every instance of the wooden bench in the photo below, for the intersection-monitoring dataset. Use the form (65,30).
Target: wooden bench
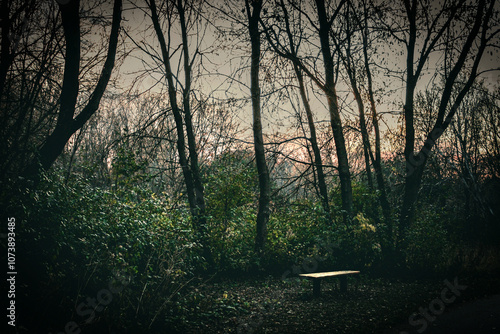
(316,278)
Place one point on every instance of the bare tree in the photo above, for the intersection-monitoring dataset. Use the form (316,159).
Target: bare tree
(474,143)
(356,23)
(253,11)
(426,28)
(346,49)
(12,29)
(292,52)
(327,84)
(30,62)
(183,115)
(377,159)
(67,124)
(325,23)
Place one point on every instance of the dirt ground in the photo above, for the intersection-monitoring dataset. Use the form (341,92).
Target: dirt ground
(381,306)
(480,316)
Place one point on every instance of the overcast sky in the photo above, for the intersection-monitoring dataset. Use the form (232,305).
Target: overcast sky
(219,63)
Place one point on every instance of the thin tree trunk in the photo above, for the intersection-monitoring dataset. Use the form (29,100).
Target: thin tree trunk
(415,163)
(318,163)
(200,207)
(362,125)
(67,124)
(172,94)
(194,187)
(412,180)
(412,186)
(264,181)
(377,160)
(335,120)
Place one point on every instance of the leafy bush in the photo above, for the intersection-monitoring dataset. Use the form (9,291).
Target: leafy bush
(428,241)
(296,231)
(231,193)
(82,236)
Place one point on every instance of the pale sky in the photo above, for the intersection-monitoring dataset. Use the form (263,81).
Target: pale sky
(220,63)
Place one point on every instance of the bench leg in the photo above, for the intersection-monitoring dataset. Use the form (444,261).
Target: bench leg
(343,283)
(316,287)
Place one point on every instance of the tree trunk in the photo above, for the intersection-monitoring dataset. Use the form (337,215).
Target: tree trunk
(67,124)
(377,160)
(264,182)
(362,125)
(318,162)
(56,141)
(415,163)
(412,185)
(200,216)
(335,120)
(194,187)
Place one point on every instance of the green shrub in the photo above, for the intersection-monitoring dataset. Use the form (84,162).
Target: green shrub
(80,236)
(428,241)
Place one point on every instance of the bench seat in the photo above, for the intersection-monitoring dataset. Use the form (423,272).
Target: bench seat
(316,278)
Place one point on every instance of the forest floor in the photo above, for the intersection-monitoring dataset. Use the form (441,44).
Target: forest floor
(371,305)
(475,316)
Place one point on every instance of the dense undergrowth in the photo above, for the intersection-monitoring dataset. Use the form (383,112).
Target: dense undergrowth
(125,258)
